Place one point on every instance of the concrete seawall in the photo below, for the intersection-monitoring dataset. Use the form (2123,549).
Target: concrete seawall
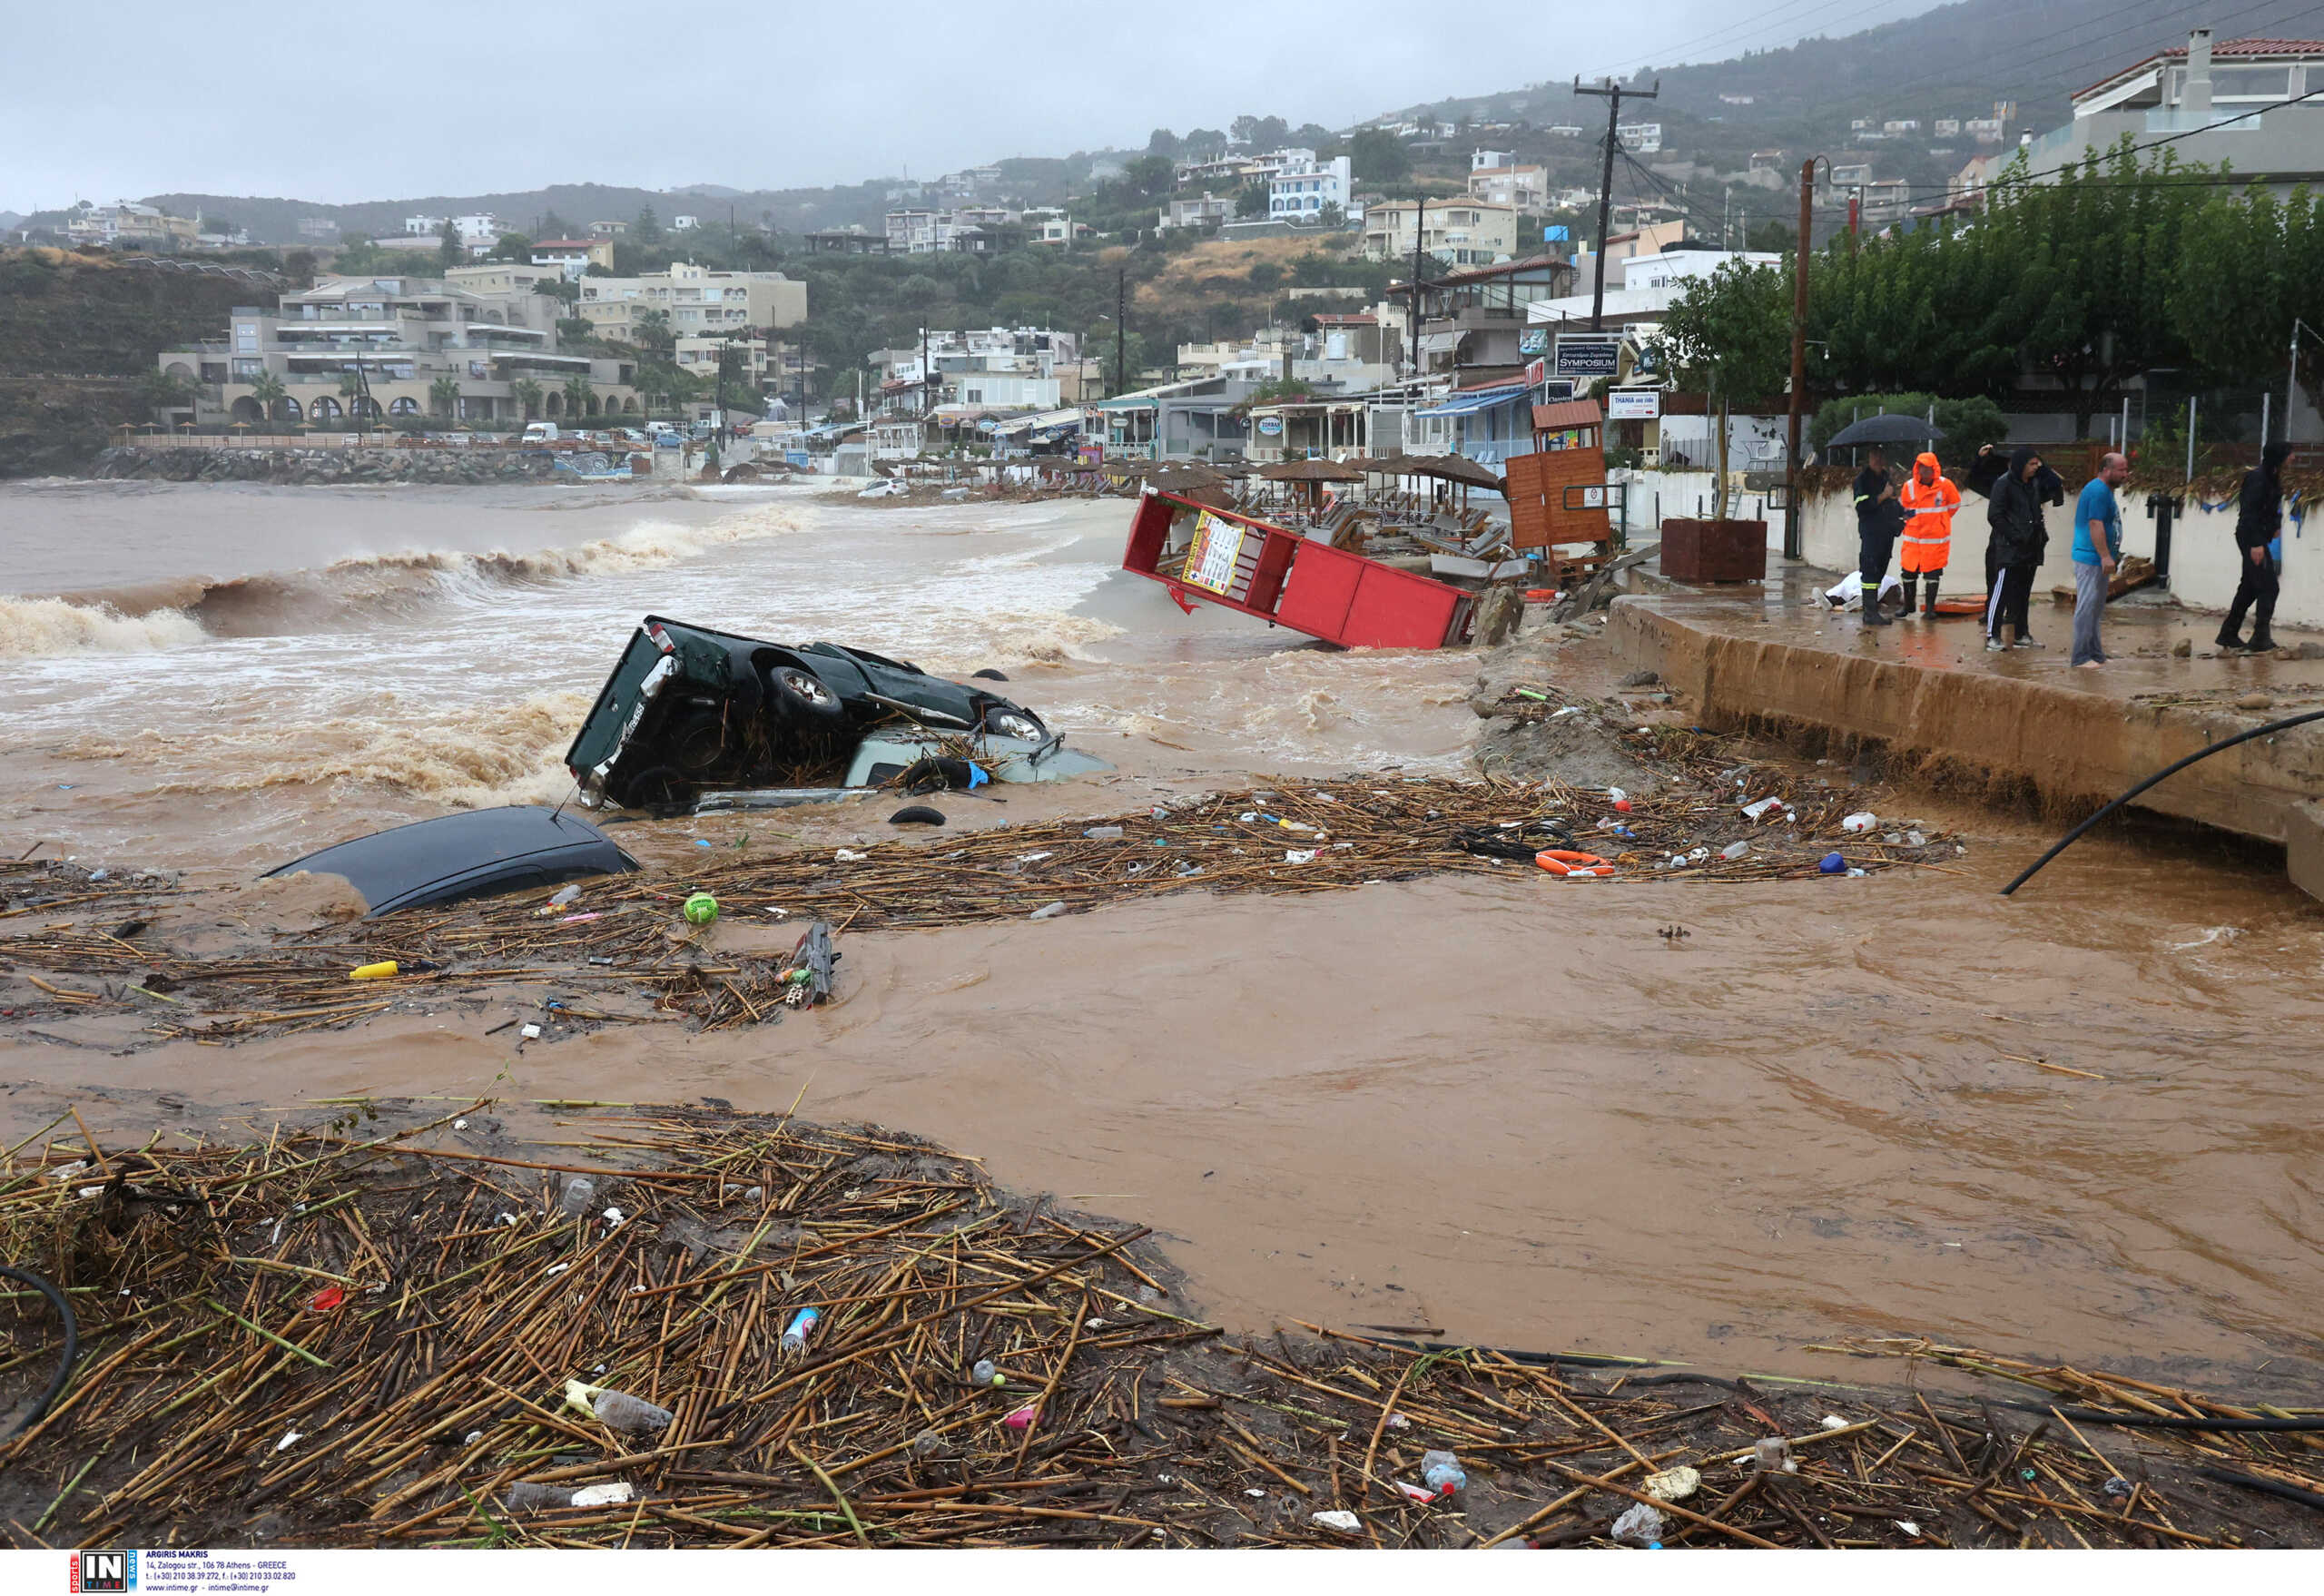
(1983,721)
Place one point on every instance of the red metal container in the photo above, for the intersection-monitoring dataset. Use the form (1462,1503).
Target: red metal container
(1288,579)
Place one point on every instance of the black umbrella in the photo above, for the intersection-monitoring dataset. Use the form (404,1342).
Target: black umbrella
(1885,429)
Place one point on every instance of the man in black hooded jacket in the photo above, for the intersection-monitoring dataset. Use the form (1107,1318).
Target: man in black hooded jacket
(2259,521)
(2014,552)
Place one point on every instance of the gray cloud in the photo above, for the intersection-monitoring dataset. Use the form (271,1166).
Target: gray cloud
(343,102)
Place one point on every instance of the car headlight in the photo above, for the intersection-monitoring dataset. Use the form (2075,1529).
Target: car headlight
(1010,723)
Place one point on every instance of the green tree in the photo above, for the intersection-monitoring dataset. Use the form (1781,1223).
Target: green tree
(513,246)
(1377,155)
(1251,199)
(1149,176)
(647,230)
(449,251)
(1163,142)
(1733,329)
(578,395)
(351,393)
(444,396)
(555,226)
(652,330)
(528,395)
(267,389)
(161,391)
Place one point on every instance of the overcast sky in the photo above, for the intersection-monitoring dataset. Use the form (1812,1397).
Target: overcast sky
(341,102)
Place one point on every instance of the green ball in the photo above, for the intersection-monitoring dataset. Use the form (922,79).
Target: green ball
(702,909)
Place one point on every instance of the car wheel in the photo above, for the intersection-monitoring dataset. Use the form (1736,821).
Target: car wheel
(989,676)
(658,788)
(697,745)
(1012,723)
(801,691)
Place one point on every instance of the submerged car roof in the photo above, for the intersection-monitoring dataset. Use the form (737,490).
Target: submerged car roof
(465,855)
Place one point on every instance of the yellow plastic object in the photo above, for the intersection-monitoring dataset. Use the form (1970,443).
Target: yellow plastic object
(379,971)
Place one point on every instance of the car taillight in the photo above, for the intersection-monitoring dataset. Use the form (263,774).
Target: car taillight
(661,640)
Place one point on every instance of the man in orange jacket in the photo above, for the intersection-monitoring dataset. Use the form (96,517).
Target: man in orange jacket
(1929,499)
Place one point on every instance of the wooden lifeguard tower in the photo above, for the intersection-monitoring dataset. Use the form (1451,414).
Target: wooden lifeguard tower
(1559,498)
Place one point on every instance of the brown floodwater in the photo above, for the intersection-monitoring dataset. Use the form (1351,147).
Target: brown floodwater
(1508,1109)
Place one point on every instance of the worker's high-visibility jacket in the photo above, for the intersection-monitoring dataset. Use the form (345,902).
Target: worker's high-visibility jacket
(1929,525)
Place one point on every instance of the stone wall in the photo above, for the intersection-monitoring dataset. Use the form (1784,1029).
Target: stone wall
(302,466)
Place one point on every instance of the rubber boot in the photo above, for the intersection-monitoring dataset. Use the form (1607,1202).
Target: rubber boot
(2228,639)
(1872,615)
(1933,577)
(2261,642)
(1912,581)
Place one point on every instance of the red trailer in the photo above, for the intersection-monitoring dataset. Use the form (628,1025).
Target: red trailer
(1286,579)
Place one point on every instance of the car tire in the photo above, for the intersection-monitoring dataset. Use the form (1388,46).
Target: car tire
(989,674)
(801,692)
(696,746)
(661,787)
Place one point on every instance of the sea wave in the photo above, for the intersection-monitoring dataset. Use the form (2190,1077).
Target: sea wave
(178,612)
(469,757)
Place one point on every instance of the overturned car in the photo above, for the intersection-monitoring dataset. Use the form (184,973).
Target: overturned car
(691,714)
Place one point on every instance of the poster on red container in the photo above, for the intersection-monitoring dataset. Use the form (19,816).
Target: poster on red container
(1210,557)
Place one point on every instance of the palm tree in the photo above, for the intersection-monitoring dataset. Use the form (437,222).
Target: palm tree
(267,389)
(444,396)
(578,393)
(527,394)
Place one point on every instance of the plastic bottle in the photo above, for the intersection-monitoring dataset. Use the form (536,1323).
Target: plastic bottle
(631,1415)
(985,1374)
(383,970)
(565,896)
(580,1196)
(527,1496)
(794,1339)
(1049,911)
(1441,1473)
(1864,820)
(1735,849)
(1103,833)
(1771,1454)
(1831,865)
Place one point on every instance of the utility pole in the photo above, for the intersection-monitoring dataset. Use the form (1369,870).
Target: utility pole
(924,372)
(1793,546)
(1612,92)
(1419,231)
(2291,382)
(1121,330)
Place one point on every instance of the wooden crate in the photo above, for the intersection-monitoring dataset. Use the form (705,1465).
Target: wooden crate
(1715,551)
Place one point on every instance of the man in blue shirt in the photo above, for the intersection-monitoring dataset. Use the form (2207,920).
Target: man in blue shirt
(2097,547)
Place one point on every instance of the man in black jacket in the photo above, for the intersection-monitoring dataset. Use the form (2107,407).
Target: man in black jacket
(2259,521)
(2019,541)
(1876,539)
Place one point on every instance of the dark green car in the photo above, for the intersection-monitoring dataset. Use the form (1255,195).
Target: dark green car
(688,708)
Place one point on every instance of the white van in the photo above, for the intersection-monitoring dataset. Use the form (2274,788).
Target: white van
(541,432)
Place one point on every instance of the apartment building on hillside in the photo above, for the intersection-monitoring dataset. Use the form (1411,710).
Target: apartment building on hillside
(396,338)
(697,300)
(1459,232)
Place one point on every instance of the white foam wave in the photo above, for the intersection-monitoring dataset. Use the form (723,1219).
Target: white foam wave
(33,627)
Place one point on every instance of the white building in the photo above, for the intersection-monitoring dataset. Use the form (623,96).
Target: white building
(1460,232)
(1640,138)
(1486,160)
(1202,211)
(696,300)
(1948,127)
(685,223)
(1525,187)
(1302,192)
(1676,268)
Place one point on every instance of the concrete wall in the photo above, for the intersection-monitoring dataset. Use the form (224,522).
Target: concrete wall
(1682,495)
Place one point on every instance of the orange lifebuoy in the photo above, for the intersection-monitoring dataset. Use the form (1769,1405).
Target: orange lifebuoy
(1560,862)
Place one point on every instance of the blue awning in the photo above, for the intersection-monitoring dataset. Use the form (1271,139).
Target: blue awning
(1468,404)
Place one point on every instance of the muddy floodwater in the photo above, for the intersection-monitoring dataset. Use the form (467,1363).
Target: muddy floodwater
(1509,1111)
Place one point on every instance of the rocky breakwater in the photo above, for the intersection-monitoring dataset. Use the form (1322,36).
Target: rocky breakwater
(333,466)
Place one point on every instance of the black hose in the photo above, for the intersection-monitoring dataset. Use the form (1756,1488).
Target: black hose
(2271,1487)
(64,1364)
(2090,1415)
(2065,841)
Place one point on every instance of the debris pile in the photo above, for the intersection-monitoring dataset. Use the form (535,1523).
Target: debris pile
(630,934)
(677,1328)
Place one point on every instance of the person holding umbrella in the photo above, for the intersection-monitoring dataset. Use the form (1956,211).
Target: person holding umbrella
(1875,539)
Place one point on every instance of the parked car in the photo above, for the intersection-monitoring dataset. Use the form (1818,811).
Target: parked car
(541,432)
(687,708)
